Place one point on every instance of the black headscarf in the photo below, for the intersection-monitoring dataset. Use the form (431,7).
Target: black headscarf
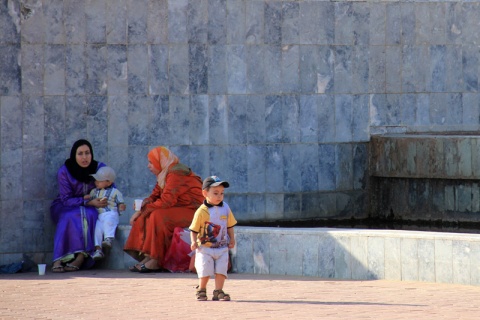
(79,173)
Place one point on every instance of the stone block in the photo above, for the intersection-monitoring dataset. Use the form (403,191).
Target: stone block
(256,207)
(245,248)
(376,258)
(198,69)
(443,261)
(236,69)
(295,160)
(326,256)
(254,22)
(343,258)
(274,168)
(426,260)
(359,262)
(178,68)
(261,254)
(409,259)
(117,70)
(137,20)
(272,60)
(33,161)
(326,118)
(474,263)
(256,160)
(235,22)
(137,56)
(33,122)
(393,70)
(217,69)
(344,167)
(32,72)
(461,268)
(96,26)
(274,206)
(272,23)
(255,69)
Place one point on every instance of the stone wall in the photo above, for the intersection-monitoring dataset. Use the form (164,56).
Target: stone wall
(278,97)
(431,180)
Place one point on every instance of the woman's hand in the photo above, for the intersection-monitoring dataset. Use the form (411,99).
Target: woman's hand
(122,207)
(134,217)
(98,202)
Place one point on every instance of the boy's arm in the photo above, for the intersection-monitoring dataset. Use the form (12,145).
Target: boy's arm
(231,234)
(193,240)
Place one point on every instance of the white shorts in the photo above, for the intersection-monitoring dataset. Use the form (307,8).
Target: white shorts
(211,261)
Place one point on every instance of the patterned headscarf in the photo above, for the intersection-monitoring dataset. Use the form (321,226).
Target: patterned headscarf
(162,159)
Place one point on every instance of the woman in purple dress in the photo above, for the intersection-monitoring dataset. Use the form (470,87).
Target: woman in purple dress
(72,211)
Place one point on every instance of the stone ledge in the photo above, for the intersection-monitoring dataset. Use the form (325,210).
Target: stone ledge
(359,254)
(350,254)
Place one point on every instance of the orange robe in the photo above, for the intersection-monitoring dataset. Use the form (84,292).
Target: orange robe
(170,207)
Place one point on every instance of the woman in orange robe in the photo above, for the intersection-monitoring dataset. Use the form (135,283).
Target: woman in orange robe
(176,196)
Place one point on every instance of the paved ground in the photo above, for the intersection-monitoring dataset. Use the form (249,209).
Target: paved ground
(107,294)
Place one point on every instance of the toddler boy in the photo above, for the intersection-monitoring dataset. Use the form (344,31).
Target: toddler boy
(107,217)
(211,234)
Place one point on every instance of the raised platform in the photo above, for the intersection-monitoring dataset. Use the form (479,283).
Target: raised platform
(353,254)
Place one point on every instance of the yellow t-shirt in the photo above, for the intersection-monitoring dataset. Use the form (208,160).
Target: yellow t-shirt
(211,224)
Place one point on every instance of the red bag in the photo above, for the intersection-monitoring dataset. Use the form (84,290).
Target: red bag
(177,258)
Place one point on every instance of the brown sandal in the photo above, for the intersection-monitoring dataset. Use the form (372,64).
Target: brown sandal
(220,295)
(202,295)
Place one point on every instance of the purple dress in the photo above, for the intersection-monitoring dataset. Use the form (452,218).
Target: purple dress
(75,223)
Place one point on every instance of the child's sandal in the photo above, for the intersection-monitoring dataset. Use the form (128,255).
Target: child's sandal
(220,295)
(202,295)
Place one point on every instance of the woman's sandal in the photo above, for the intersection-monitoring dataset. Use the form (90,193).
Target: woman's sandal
(220,295)
(58,269)
(133,268)
(144,269)
(71,267)
(201,295)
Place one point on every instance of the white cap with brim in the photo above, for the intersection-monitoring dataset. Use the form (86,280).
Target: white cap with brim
(104,174)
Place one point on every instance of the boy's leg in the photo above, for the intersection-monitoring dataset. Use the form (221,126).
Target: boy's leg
(202,283)
(221,267)
(202,289)
(219,281)
(205,269)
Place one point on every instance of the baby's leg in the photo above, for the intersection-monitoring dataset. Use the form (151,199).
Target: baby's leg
(110,223)
(98,232)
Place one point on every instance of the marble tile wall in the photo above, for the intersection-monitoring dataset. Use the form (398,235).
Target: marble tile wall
(285,93)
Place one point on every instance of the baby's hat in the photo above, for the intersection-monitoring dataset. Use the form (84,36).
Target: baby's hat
(104,174)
